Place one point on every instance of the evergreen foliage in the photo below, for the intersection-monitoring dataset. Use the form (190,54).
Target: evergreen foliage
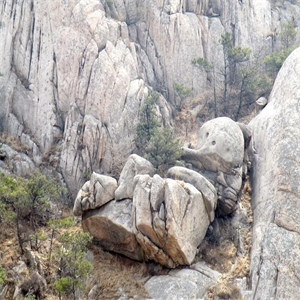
(74,268)
(201,62)
(233,55)
(275,60)
(2,275)
(181,90)
(288,34)
(153,142)
(30,199)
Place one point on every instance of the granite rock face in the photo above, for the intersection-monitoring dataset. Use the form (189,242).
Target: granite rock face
(168,217)
(78,71)
(183,284)
(275,255)
(219,155)
(165,220)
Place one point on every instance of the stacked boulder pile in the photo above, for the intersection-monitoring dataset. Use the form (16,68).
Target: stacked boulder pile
(147,217)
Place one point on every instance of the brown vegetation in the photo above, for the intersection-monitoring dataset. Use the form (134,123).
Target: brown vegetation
(14,143)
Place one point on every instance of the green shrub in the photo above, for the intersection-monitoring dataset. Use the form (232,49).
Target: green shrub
(73,264)
(274,61)
(154,142)
(2,275)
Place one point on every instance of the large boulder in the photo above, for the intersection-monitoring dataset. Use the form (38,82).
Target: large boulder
(96,192)
(275,257)
(134,165)
(186,283)
(170,219)
(220,146)
(111,225)
(220,155)
(202,184)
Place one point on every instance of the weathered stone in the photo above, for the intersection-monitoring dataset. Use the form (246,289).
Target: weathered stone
(182,284)
(102,189)
(18,163)
(221,153)
(167,287)
(186,221)
(91,76)
(207,190)
(220,146)
(79,204)
(111,226)
(275,252)
(134,165)
(157,194)
(141,208)
(99,190)
(171,232)
(144,230)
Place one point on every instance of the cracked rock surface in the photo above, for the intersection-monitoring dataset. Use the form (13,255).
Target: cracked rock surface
(275,258)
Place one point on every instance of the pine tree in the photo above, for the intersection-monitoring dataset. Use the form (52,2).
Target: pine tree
(153,141)
(74,267)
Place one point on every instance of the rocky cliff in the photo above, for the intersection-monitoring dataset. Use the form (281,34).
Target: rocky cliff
(74,73)
(275,198)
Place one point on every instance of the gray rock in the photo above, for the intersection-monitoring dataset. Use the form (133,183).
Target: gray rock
(134,165)
(167,287)
(81,199)
(186,221)
(275,252)
(96,192)
(87,84)
(102,189)
(111,225)
(221,152)
(183,284)
(170,233)
(207,190)
(220,146)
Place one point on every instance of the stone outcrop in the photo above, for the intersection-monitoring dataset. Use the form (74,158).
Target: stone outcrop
(176,224)
(78,71)
(219,155)
(111,225)
(134,165)
(202,184)
(95,193)
(15,162)
(166,219)
(275,198)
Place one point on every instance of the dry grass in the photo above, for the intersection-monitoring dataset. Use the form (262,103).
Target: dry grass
(219,257)
(51,156)
(14,143)
(224,289)
(222,255)
(115,275)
